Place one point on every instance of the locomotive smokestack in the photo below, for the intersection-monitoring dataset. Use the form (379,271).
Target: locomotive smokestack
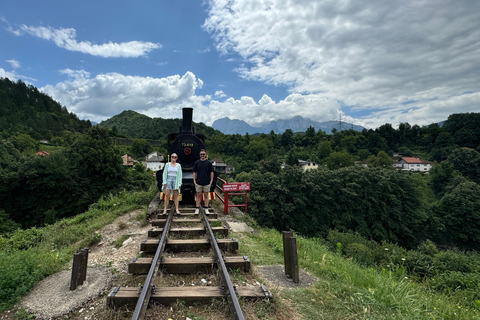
(187,127)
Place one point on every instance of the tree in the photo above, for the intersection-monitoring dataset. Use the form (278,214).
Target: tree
(467,162)
(381,160)
(140,148)
(97,164)
(459,210)
(287,139)
(324,149)
(337,160)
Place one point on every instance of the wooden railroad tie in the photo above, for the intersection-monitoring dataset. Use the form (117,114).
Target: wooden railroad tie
(161,222)
(150,245)
(157,232)
(188,265)
(128,296)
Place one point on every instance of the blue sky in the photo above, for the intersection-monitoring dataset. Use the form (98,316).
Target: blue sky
(372,62)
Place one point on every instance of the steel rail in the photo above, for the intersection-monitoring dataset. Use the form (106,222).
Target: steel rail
(146,292)
(232,299)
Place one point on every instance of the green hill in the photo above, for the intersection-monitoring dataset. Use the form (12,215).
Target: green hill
(138,126)
(24,109)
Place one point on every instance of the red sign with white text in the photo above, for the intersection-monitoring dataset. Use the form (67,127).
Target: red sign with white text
(240,186)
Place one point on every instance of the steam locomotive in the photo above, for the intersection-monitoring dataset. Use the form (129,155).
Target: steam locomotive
(187,145)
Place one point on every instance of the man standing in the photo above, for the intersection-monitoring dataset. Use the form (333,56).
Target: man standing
(202,178)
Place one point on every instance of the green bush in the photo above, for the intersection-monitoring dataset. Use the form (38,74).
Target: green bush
(451,261)
(418,263)
(21,239)
(454,280)
(20,270)
(360,253)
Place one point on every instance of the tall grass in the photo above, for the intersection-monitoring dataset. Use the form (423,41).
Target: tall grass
(28,256)
(348,290)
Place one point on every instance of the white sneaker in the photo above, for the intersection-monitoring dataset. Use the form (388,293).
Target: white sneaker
(197,211)
(206,211)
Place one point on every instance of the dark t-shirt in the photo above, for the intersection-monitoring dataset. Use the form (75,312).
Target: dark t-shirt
(203,170)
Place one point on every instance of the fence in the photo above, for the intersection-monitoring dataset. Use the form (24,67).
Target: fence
(240,188)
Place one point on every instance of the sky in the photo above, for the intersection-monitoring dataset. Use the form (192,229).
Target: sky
(366,62)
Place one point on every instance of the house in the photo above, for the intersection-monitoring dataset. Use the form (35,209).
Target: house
(414,164)
(154,161)
(307,165)
(42,153)
(221,167)
(127,160)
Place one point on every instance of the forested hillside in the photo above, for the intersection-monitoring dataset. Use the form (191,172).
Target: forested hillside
(138,126)
(86,164)
(25,110)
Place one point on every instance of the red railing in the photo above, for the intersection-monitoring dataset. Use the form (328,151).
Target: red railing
(240,189)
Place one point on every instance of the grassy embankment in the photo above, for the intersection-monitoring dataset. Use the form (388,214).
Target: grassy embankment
(28,256)
(344,290)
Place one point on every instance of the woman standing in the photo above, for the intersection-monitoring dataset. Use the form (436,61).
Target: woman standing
(172,178)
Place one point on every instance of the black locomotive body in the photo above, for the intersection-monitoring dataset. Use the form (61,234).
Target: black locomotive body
(187,145)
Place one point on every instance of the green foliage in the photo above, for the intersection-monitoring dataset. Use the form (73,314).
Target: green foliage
(337,160)
(140,148)
(381,160)
(7,225)
(139,126)
(26,110)
(459,214)
(21,269)
(379,204)
(21,239)
(28,256)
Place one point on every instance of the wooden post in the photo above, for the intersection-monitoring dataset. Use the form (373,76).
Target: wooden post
(85,265)
(294,260)
(286,252)
(75,269)
(79,268)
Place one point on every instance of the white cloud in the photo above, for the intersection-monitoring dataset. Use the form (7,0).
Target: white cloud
(220,94)
(403,58)
(14,63)
(76,74)
(65,38)
(106,95)
(13,76)
(7,74)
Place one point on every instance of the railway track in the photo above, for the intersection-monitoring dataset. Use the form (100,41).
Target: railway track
(186,244)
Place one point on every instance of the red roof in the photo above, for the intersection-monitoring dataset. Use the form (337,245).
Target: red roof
(415,160)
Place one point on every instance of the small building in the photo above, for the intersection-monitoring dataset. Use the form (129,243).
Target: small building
(128,160)
(221,167)
(414,164)
(42,153)
(154,161)
(307,165)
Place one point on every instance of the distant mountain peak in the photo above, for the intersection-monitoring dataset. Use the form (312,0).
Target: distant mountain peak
(296,124)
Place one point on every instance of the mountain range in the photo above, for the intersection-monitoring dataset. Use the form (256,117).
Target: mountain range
(296,124)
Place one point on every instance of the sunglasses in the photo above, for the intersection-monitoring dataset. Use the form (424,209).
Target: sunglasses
(174,157)
(203,154)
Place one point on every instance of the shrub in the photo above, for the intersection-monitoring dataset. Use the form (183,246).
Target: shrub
(418,263)
(451,261)
(21,239)
(360,253)
(454,280)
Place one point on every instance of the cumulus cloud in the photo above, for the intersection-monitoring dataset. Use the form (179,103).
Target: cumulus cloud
(106,95)
(65,38)
(396,57)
